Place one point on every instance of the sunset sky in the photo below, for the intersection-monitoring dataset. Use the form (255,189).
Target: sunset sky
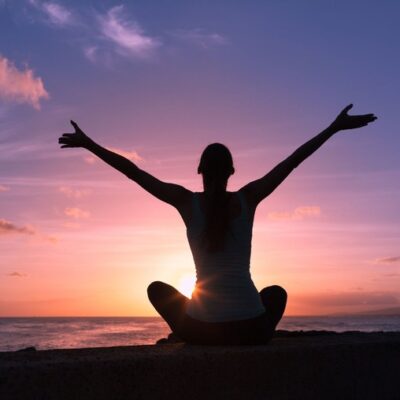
(157,81)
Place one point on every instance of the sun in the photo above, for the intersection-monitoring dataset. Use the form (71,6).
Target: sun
(186,284)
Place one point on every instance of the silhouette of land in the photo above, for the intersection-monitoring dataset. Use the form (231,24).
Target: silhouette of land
(295,365)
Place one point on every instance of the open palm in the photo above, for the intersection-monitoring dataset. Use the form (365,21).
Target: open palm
(345,121)
(76,139)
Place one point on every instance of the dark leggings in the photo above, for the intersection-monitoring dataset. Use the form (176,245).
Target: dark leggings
(171,305)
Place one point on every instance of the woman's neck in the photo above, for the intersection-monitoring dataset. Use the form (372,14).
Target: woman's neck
(209,186)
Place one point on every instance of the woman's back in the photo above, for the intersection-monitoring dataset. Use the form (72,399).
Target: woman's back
(224,289)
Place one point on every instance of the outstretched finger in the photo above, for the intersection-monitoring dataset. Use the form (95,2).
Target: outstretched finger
(64,140)
(68,134)
(66,145)
(75,125)
(346,109)
(370,116)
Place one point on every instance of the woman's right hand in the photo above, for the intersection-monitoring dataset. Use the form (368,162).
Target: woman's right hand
(76,139)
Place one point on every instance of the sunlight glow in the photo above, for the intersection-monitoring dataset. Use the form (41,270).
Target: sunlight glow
(186,284)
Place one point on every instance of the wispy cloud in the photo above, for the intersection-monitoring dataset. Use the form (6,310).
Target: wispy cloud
(91,53)
(129,154)
(4,188)
(51,183)
(117,27)
(22,149)
(89,159)
(74,193)
(8,228)
(56,13)
(392,275)
(71,225)
(201,38)
(126,35)
(76,212)
(17,274)
(298,213)
(388,260)
(20,86)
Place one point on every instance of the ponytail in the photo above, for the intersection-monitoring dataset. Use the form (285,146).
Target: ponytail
(216,165)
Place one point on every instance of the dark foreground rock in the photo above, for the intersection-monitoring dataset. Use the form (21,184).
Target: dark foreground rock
(300,365)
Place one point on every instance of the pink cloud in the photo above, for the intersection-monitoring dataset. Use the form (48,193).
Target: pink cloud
(20,86)
(307,211)
(298,213)
(76,213)
(4,188)
(71,225)
(280,216)
(51,239)
(130,155)
(74,193)
(89,159)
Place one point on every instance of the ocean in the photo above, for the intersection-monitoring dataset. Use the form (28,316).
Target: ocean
(76,332)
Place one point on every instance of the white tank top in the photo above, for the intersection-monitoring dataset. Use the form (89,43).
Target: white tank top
(224,290)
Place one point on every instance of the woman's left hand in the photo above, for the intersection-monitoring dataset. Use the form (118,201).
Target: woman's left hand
(345,121)
(76,139)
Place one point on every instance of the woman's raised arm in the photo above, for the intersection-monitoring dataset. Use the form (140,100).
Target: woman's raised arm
(259,189)
(170,193)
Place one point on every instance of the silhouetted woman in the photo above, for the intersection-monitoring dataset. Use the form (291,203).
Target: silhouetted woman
(225,307)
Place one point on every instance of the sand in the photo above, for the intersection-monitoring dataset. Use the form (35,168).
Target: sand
(309,365)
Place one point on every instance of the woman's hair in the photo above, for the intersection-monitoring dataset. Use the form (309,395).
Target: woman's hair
(216,166)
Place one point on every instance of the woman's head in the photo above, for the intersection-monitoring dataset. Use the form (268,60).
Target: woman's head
(216,163)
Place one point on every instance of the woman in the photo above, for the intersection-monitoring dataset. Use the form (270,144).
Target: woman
(225,307)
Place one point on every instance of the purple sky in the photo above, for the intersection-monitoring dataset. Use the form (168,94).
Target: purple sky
(158,81)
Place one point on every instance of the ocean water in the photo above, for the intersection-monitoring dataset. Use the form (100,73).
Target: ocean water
(74,332)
